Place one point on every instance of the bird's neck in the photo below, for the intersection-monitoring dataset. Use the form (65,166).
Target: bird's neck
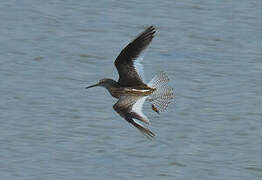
(112,84)
(112,87)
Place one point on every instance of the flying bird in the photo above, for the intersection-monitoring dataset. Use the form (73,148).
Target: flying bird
(131,90)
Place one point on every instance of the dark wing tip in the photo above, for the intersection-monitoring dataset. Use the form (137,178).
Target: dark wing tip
(147,34)
(145,131)
(151,28)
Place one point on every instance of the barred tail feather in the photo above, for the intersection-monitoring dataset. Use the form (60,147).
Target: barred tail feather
(163,94)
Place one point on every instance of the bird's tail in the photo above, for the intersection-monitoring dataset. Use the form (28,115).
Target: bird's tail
(163,94)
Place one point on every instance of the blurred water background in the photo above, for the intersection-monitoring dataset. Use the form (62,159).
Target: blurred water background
(52,128)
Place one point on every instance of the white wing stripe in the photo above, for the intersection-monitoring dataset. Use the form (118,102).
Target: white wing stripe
(139,66)
(138,107)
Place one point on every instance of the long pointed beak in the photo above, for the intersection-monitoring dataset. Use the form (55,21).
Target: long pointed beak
(92,86)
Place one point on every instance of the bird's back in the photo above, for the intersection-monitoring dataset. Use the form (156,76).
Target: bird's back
(131,91)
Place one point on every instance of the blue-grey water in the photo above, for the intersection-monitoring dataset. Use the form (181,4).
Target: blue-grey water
(53,128)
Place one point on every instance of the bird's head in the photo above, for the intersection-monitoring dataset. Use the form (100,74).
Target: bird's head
(104,83)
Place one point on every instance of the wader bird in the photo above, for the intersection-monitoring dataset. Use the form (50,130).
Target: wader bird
(130,89)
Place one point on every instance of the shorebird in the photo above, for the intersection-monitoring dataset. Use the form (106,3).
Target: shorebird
(130,89)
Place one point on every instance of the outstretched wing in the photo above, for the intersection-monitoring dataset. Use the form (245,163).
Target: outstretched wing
(130,108)
(128,61)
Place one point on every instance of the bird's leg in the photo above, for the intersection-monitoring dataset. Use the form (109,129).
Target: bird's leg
(154,108)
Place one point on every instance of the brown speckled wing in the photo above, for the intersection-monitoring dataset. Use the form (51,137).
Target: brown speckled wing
(124,108)
(128,75)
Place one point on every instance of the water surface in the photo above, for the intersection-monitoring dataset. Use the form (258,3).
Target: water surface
(52,128)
